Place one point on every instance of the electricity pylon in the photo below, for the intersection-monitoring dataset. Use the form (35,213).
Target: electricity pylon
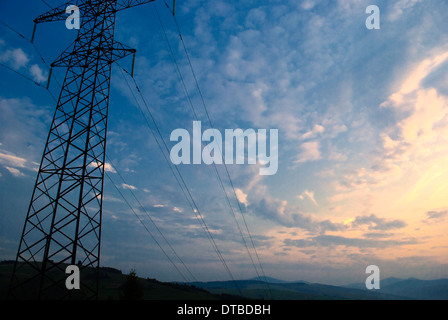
(63,224)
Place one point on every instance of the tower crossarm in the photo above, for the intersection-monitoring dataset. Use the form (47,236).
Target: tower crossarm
(59,13)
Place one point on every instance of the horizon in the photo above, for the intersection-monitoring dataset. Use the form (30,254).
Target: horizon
(269,280)
(362,120)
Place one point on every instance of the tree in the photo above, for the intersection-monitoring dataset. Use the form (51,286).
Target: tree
(131,288)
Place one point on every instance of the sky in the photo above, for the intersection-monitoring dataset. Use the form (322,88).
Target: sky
(362,120)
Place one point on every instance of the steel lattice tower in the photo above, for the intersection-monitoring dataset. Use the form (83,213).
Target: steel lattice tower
(63,224)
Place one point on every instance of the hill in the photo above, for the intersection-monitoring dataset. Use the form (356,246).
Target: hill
(391,289)
(111,287)
(413,288)
(270,280)
(112,281)
(255,289)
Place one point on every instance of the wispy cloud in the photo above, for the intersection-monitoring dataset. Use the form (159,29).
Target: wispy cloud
(128,187)
(19,59)
(308,195)
(435,216)
(400,7)
(362,130)
(7,158)
(15,172)
(330,240)
(310,151)
(376,223)
(16,57)
(179,210)
(285,214)
(107,166)
(15,165)
(241,196)
(38,74)
(313,133)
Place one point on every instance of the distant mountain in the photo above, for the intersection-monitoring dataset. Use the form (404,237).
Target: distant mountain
(418,289)
(111,282)
(384,283)
(255,289)
(411,288)
(271,280)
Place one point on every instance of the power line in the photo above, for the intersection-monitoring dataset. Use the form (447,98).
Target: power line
(196,117)
(119,191)
(190,198)
(182,182)
(152,220)
(13,30)
(22,75)
(173,58)
(194,112)
(146,228)
(67,193)
(212,126)
(29,79)
(47,4)
(38,84)
(38,53)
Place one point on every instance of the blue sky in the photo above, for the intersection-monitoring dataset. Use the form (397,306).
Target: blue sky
(362,118)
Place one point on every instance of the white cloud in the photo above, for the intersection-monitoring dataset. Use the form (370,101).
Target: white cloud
(408,167)
(23,129)
(107,167)
(12,160)
(263,205)
(241,196)
(336,155)
(308,194)
(38,74)
(313,133)
(108,198)
(421,133)
(180,210)
(401,6)
(255,17)
(128,187)
(412,82)
(310,152)
(15,172)
(17,58)
(308,4)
